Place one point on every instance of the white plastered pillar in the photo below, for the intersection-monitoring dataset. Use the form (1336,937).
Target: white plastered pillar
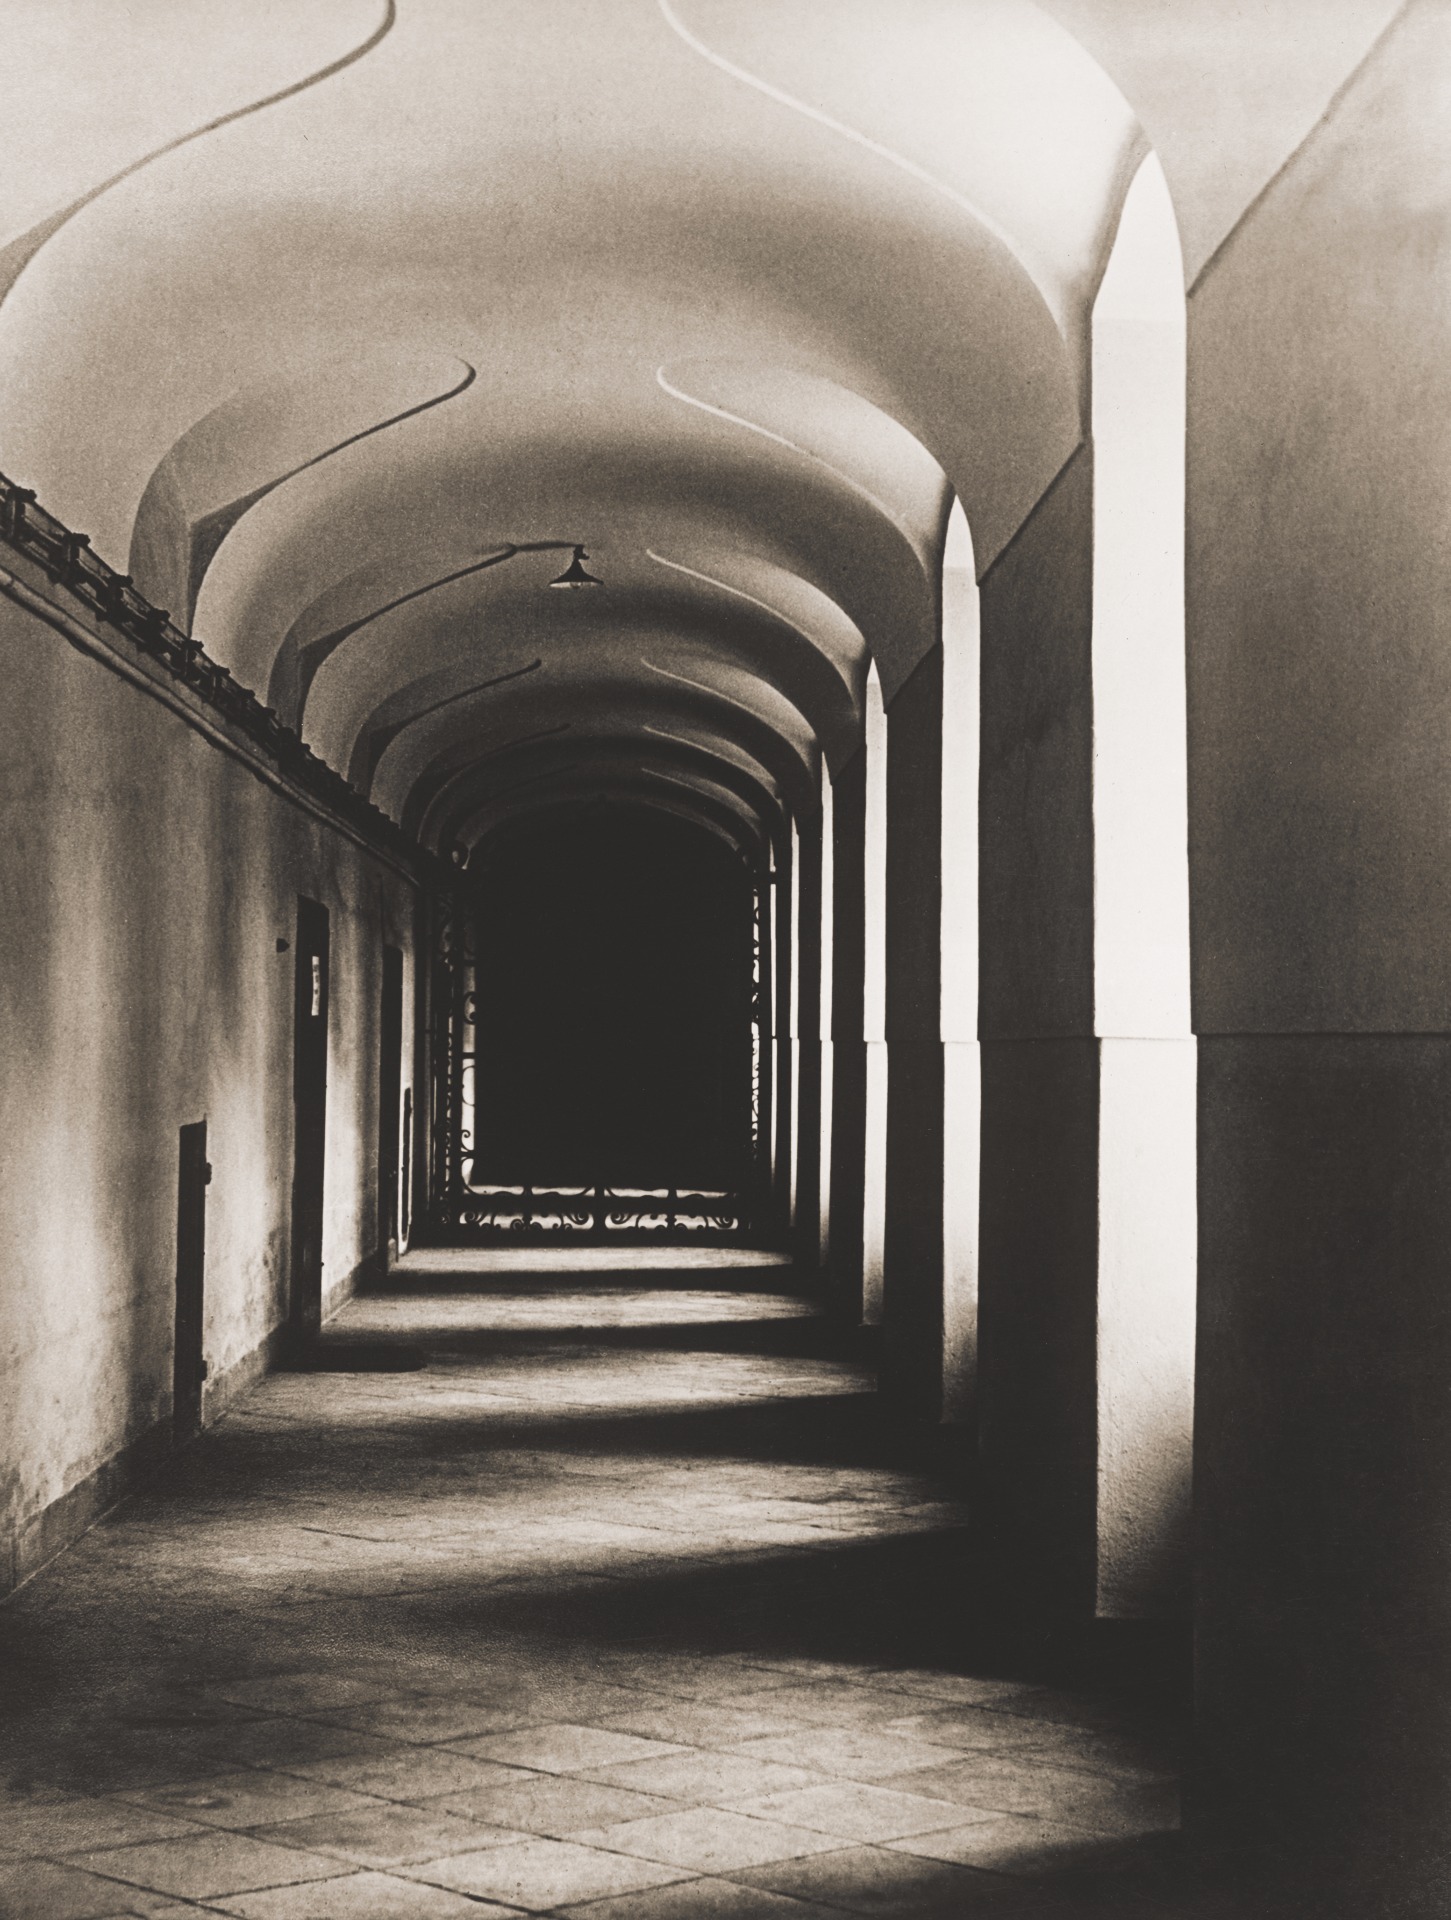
(874,1006)
(824,1018)
(962,1054)
(1147,1254)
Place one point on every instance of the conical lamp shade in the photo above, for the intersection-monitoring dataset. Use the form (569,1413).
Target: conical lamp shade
(574,574)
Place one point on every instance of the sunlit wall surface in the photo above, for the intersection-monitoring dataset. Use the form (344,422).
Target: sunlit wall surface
(1147,1065)
(828,910)
(961,1064)
(874,1007)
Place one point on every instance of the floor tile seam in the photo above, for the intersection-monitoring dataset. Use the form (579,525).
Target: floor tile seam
(509,1836)
(448,1744)
(806,1712)
(743,1806)
(1036,1759)
(586,1909)
(67,1856)
(1047,1816)
(222,1826)
(825,1899)
(1012,1715)
(696,1805)
(263,1766)
(684,1803)
(621,1853)
(728,1747)
(681,1873)
(1106,1772)
(183,1899)
(192,1830)
(1016,1756)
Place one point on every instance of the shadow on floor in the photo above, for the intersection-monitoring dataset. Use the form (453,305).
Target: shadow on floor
(568,1604)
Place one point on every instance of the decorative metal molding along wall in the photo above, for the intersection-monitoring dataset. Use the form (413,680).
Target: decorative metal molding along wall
(66,559)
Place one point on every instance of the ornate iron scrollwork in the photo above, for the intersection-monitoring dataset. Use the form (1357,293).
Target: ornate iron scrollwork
(596,1213)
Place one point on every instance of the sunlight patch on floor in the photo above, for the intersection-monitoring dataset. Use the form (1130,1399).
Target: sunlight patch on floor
(568,1259)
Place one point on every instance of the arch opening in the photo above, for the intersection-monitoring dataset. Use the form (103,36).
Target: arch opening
(597,1031)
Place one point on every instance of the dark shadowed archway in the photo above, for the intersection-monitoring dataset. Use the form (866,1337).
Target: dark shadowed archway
(614,1038)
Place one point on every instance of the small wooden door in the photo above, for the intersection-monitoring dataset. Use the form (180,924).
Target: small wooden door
(189,1367)
(309,1104)
(405,1223)
(390,1083)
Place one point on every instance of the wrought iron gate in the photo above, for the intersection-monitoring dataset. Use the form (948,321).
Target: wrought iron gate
(465,1207)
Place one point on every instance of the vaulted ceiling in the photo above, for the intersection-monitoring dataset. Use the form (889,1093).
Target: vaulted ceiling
(307,316)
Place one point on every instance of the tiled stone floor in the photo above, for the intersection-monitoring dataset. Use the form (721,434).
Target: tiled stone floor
(623,1608)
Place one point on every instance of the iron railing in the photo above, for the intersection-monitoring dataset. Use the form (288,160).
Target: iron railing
(67,560)
(592,1213)
(466,1205)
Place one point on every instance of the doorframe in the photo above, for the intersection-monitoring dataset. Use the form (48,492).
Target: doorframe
(310,1016)
(390,1094)
(189,1366)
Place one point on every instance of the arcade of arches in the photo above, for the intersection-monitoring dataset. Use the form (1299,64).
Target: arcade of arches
(727,770)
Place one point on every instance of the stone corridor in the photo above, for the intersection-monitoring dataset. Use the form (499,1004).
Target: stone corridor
(623,1606)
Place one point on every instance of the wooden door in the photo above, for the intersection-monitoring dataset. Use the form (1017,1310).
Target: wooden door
(189,1367)
(309,1102)
(390,1082)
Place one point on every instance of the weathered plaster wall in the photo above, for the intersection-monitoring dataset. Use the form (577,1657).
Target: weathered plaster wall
(1320,736)
(1322,1466)
(145,878)
(1319,541)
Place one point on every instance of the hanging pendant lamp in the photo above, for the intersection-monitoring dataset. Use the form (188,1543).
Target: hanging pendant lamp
(574,574)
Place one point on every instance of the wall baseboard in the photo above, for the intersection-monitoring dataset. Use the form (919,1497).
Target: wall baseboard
(369,1272)
(37,1540)
(227,1388)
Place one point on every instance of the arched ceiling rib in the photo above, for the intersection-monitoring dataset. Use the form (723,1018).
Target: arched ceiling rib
(452,812)
(736,293)
(104,90)
(1225,92)
(402,185)
(412,704)
(527,724)
(258,441)
(651,795)
(954,109)
(855,442)
(477,631)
